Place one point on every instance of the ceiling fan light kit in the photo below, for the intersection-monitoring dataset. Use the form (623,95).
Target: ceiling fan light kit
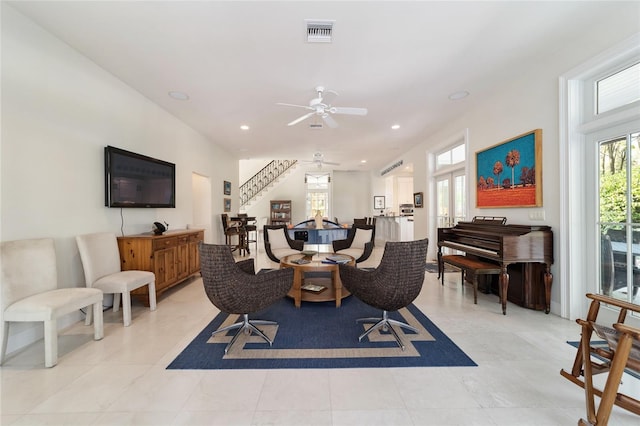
(318,160)
(319,106)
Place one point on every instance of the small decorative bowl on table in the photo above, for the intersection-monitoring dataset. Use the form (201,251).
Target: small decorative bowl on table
(308,254)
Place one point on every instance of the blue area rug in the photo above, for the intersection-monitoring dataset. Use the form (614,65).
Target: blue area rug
(319,335)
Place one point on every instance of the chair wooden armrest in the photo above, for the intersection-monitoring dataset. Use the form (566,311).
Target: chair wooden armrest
(368,249)
(296,244)
(341,244)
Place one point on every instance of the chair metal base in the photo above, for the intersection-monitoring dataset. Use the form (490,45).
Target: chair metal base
(386,324)
(245,326)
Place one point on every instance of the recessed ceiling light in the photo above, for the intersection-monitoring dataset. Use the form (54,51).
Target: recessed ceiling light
(179,96)
(458,95)
(395,126)
(244,127)
(363,161)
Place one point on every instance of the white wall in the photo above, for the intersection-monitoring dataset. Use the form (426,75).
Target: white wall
(352,194)
(528,102)
(59,110)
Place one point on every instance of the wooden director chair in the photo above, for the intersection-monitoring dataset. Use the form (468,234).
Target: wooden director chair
(621,352)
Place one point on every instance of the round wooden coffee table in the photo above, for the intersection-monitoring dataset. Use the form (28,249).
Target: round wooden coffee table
(332,286)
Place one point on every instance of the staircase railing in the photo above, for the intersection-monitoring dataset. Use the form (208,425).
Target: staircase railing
(261,180)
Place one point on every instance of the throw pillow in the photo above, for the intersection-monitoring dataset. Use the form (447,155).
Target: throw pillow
(362,237)
(277,239)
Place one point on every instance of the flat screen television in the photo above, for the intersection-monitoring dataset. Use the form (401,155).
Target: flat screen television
(135,180)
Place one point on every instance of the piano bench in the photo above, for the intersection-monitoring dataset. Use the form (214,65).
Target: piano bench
(469,264)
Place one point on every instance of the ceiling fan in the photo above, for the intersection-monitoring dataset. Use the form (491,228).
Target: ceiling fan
(320,107)
(318,159)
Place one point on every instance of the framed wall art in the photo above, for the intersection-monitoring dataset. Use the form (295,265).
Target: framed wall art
(227,188)
(509,174)
(418,200)
(227,204)
(378,202)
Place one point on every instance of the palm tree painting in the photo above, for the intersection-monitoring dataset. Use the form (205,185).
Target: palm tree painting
(509,174)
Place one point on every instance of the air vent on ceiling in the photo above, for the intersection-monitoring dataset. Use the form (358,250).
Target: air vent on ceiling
(315,126)
(319,31)
(391,167)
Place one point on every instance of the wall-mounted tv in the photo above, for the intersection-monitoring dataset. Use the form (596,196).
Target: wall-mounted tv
(135,180)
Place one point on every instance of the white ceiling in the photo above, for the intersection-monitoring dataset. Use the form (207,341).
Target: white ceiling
(236,60)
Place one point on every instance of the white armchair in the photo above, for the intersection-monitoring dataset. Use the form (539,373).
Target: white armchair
(101,263)
(278,244)
(30,293)
(359,242)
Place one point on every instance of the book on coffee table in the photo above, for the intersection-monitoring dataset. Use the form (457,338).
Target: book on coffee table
(337,258)
(313,288)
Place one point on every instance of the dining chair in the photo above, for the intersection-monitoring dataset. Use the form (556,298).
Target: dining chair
(30,293)
(101,263)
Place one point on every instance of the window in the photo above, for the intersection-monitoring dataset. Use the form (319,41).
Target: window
(618,90)
(451,156)
(318,194)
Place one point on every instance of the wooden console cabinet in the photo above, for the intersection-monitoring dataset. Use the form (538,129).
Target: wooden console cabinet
(172,257)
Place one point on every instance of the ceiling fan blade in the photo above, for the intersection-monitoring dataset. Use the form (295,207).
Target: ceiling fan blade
(330,121)
(331,163)
(348,110)
(294,105)
(299,119)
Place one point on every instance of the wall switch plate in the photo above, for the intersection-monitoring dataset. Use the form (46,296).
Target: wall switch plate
(536,215)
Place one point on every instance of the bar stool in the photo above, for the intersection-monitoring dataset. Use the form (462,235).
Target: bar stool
(250,228)
(231,229)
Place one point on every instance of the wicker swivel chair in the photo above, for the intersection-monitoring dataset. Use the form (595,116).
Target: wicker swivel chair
(359,242)
(393,285)
(234,288)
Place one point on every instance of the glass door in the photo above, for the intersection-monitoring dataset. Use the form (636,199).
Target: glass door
(619,216)
(451,203)
(443,201)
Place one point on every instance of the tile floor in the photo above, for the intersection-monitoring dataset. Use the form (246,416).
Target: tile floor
(122,380)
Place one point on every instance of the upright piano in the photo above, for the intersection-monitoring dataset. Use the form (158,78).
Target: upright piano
(524,253)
